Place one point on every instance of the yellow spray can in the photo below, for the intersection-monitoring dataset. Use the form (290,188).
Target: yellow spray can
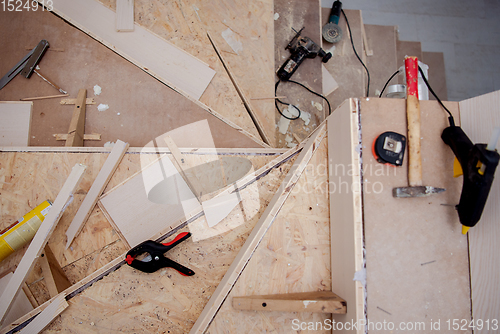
(22,231)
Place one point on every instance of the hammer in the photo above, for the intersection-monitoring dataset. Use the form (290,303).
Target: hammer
(415,189)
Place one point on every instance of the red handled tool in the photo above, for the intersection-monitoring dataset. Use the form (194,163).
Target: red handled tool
(156,260)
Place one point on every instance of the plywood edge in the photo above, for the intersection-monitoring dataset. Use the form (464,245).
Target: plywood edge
(100,182)
(346,225)
(258,232)
(40,239)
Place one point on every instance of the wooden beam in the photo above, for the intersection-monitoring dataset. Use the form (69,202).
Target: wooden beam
(91,136)
(89,100)
(96,190)
(266,137)
(56,307)
(40,239)
(158,57)
(43,97)
(317,302)
(258,232)
(346,225)
(124,15)
(77,124)
(478,117)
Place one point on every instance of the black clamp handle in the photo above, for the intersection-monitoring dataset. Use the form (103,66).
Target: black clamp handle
(158,260)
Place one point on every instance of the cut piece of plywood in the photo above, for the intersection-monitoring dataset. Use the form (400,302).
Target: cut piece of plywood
(21,305)
(346,216)
(124,15)
(169,64)
(56,307)
(101,181)
(318,301)
(89,100)
(329,83)
(478,117)
(40,239)
(258,232)
(15,123)
(414,246)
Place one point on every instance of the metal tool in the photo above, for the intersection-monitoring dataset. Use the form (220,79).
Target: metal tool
(415,189)
(389,148)
(331,31)
(300,47)
(156,260)
(477,163)
(27,65)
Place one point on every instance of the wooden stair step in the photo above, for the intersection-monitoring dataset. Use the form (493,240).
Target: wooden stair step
(437,75)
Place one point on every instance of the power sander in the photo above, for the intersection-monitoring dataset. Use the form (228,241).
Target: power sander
(300,47)
(331,31)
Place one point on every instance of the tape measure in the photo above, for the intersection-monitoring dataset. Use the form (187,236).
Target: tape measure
(23,230)
(389,148)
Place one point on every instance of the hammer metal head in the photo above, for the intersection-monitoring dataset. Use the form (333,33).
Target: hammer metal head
(418,191)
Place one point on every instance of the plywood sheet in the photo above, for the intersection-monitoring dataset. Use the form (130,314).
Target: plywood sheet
(478,117)
(416,256)
(176,68)
(437,74)
(15,123)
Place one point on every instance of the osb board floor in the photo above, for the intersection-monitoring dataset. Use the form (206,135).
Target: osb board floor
(127,300)
(296,15)
(29,178)
(140,107)
(294,256)
(416,256)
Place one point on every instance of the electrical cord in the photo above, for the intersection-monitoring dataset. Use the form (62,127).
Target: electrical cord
(300,112)
(352,43)
(450,118)
(385,86)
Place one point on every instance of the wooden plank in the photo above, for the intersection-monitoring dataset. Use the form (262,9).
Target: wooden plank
(96,190)
(40,239)
(267,132)
(21,305)
(91,136)
(258,232)
(318,301)
(346,217)
(59,278)
(172,66)
(124,15)
(414,246)
(47,275)
(43,97)
(15,123)
(56,307)
(89,100)
(77,124)
(478,117)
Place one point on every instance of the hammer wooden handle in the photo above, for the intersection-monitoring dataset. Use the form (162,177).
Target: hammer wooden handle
(413,119)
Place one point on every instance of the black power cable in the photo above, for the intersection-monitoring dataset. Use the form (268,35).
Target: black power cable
(300,112)
(450,118)
(352,43)
(385,86)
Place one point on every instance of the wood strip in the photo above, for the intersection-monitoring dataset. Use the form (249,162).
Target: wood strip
(345,211)
(124,15)
(22,303)
(258,232)
(317,302)
(89,100)
(47,275)
(96,190)
(366,47)
(161,59)
(40,239)
(15,123)
(147,150)
(478,117)
(91,136)
(43,97)
(60,280)
(266,137)
(77,125)
(56,307)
